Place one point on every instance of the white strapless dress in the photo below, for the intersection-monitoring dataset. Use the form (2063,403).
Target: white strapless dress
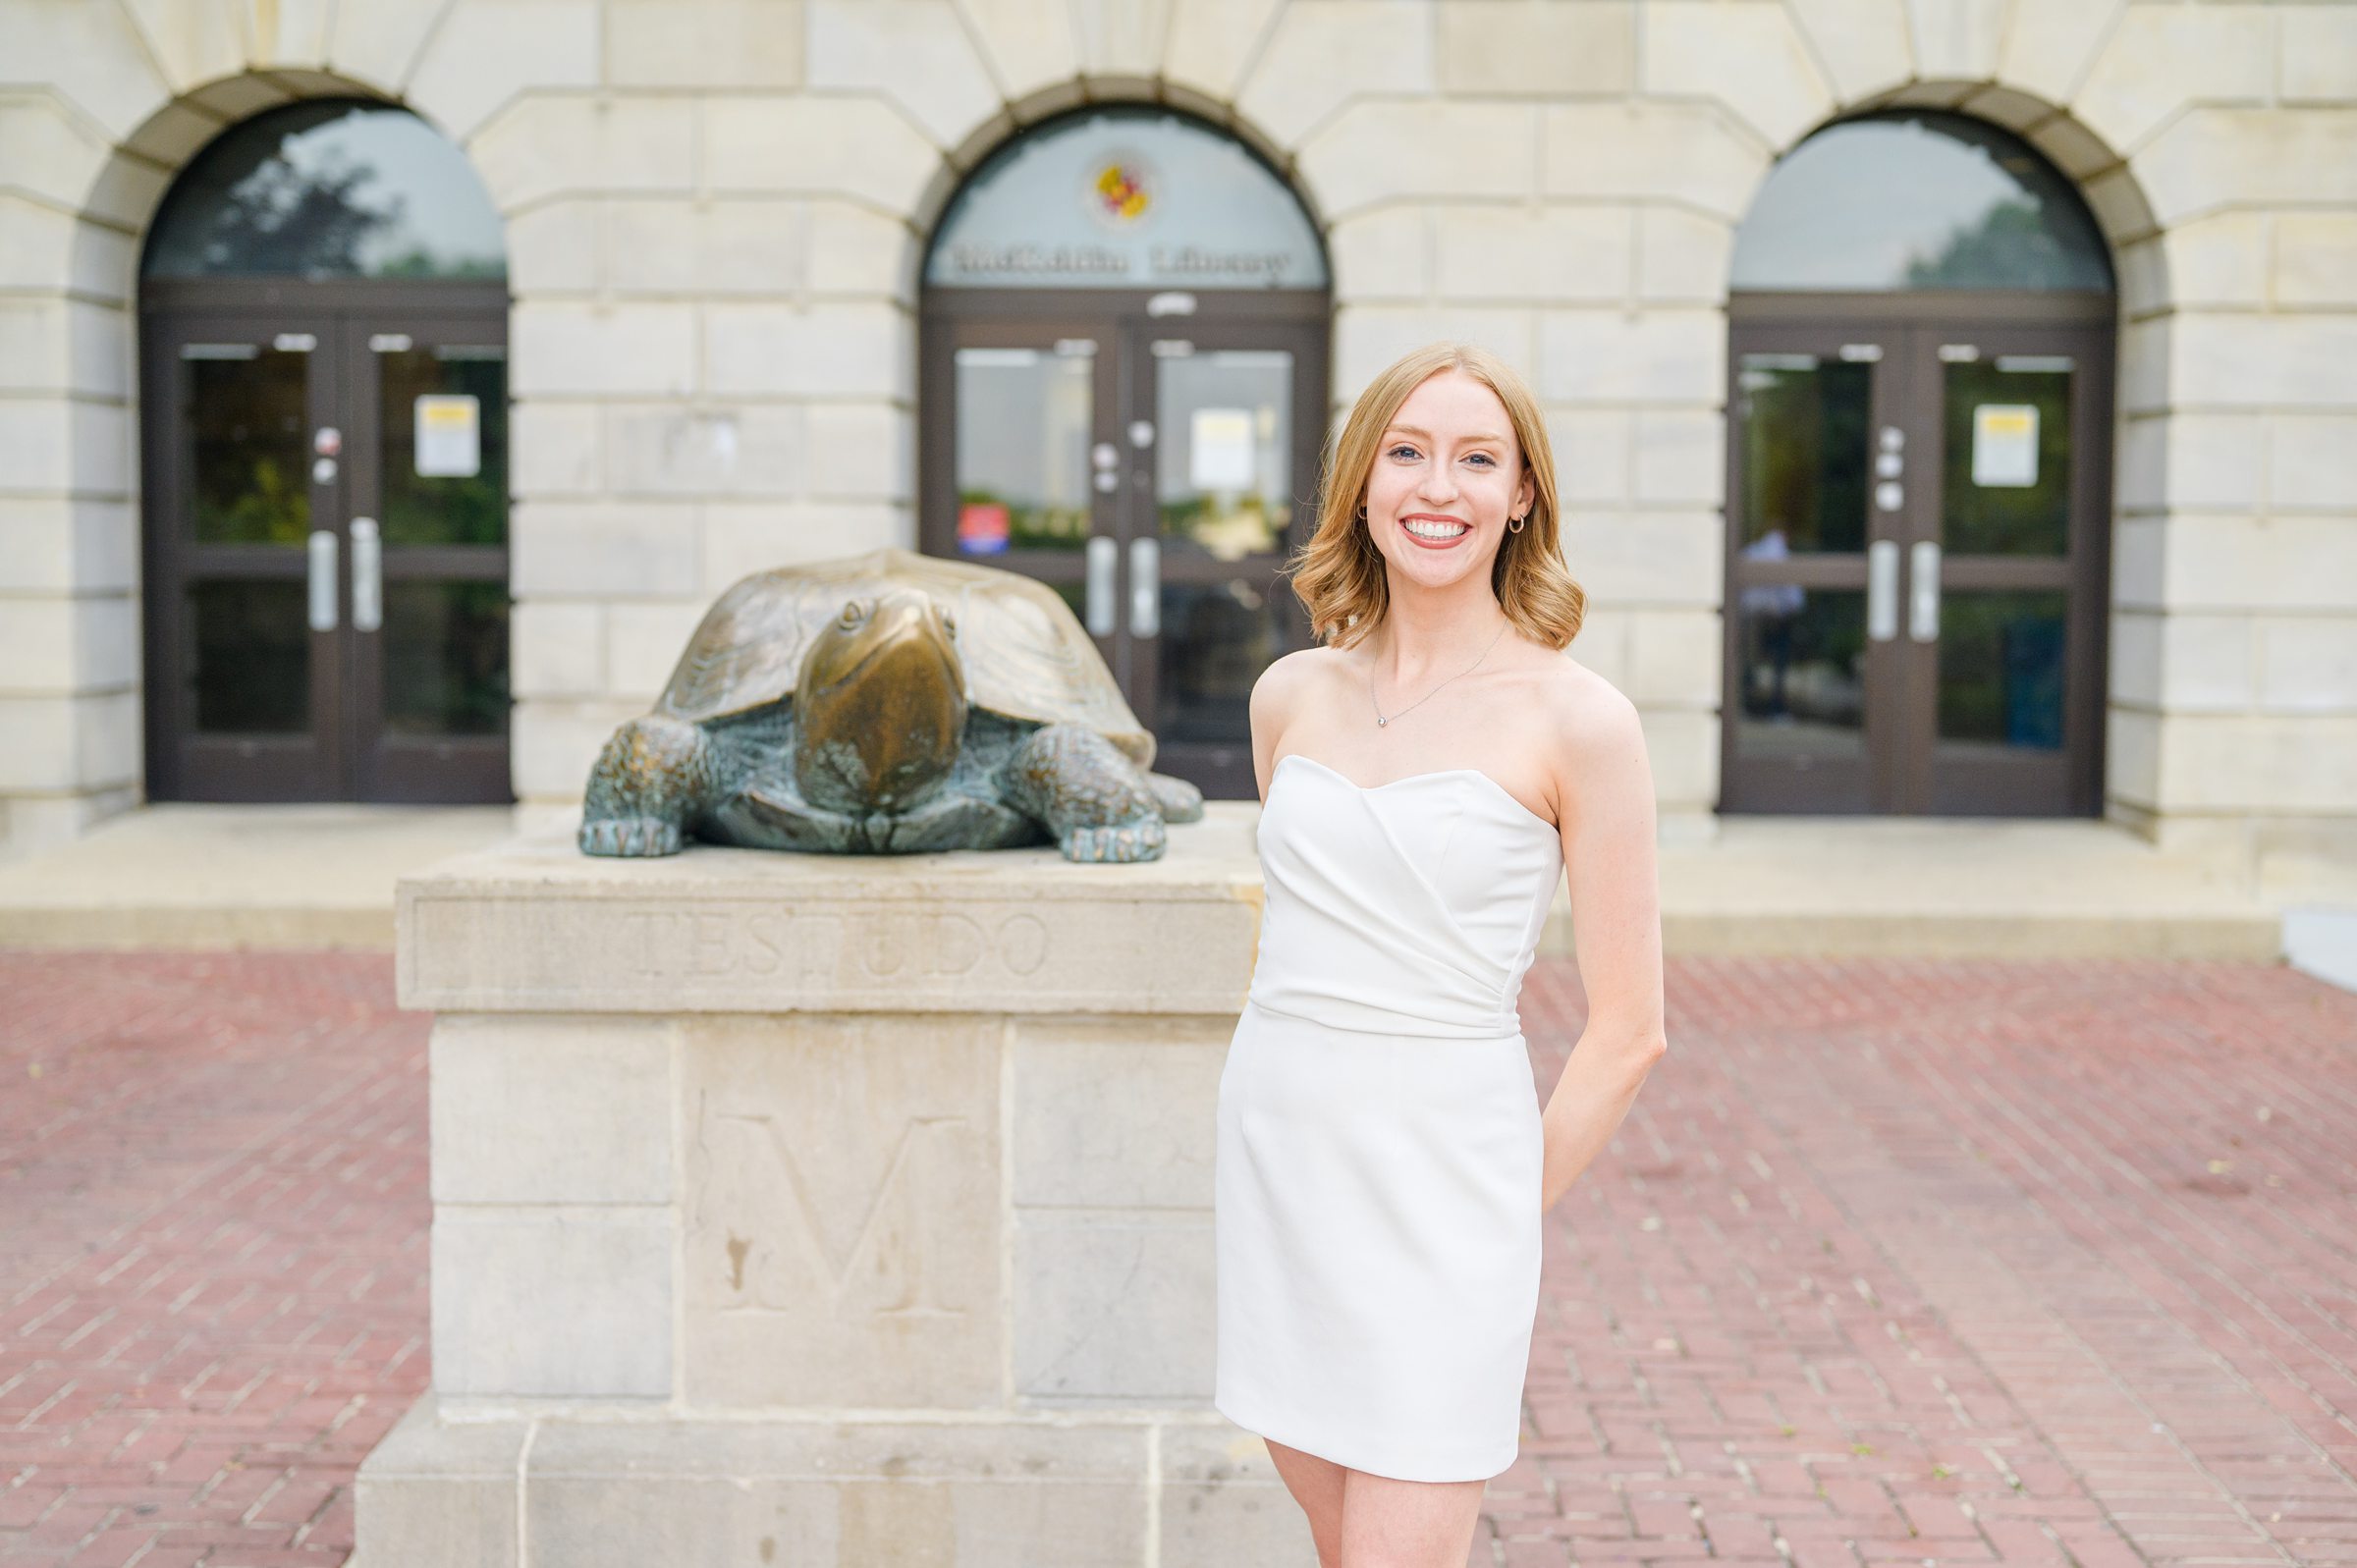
(1377,1181)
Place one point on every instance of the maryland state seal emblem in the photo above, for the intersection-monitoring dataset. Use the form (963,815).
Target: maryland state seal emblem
(1122,193)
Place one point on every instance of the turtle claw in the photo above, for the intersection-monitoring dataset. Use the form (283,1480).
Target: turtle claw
(636,838)
(1120,844)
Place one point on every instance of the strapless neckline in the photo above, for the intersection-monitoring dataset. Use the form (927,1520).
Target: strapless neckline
(1343,779)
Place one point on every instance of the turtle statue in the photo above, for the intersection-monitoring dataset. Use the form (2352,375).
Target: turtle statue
(887,703)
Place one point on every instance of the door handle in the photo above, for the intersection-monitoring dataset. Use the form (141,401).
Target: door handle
(1882,590)
(1145,587)
(1103,556)
(1923,597)
(322,576)
(367,576)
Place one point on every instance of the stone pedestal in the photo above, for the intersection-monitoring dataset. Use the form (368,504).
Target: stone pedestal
(813,1209)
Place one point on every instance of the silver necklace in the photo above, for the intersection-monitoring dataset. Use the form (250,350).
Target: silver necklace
(1380,720)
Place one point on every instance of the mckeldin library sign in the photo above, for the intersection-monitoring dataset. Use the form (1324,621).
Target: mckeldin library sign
(1183,263)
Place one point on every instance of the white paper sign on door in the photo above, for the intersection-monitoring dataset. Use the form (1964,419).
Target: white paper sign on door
(2004,443)
(449,436)
(1220,454)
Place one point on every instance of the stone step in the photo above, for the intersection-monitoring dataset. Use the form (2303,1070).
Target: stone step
(180,876)
(1960,887)
(313,876)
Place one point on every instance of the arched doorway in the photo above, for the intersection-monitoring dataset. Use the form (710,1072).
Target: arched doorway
(323,356)
(1918,479)
(1125,316)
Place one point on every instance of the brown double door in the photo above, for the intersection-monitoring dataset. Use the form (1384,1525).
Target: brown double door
(1917,512)
(1152,457)
(326,556)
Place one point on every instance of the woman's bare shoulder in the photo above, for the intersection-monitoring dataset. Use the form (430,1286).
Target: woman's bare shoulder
(1587,715)
(1289,678)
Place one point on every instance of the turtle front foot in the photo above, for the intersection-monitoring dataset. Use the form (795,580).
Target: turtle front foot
(1092,800)
(649,783)
(1120,843)
(633,836)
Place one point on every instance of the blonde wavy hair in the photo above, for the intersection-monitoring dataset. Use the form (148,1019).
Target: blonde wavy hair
(1337,575)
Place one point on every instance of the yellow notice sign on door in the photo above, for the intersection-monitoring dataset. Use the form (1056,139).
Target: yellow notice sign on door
(2004,443)
(448,436)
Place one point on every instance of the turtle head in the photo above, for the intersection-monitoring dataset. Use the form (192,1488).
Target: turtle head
(880,704)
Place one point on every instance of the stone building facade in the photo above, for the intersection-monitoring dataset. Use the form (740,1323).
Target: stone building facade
(717,215)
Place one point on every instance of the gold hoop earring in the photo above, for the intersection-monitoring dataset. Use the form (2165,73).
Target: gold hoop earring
(1361,515)
(1514,526)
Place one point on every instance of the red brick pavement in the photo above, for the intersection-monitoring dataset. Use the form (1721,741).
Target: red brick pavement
(212,1253)
(1918,1262)
(1894,1262)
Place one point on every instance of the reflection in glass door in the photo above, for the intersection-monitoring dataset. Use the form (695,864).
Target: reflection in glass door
(1027,406)
(1813,500)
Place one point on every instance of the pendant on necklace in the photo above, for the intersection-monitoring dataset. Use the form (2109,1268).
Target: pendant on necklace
(1380,723)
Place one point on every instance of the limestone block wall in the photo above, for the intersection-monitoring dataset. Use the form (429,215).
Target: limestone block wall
(716,212)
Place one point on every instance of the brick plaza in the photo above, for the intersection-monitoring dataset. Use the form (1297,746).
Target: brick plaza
(1904,1262)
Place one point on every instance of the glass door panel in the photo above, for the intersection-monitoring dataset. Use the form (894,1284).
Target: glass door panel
(430,560)
(1224,474)
(1229,486)
(1804,423)
(251,673)
(2006,455)
(245,414)
(245,417)
(2003,609)
(1815,488)
(1025,422)
(1215,638)
(2000,670)
(243,557)
(445,659)
(442,430)
(1801,658)
(1222,496)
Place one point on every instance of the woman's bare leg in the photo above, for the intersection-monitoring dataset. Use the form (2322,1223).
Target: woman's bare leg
(1317,1486)
(1408,1524)
(1361,1521)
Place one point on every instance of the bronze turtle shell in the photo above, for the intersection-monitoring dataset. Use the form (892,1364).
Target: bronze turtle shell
(1026,655)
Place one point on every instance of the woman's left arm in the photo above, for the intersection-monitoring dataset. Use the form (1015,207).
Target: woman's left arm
(1607,812)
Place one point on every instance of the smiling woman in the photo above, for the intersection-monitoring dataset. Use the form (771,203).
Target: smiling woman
(1382,1163)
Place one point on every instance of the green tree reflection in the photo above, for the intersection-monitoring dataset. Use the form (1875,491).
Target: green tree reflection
(282,219)
(2011,247)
